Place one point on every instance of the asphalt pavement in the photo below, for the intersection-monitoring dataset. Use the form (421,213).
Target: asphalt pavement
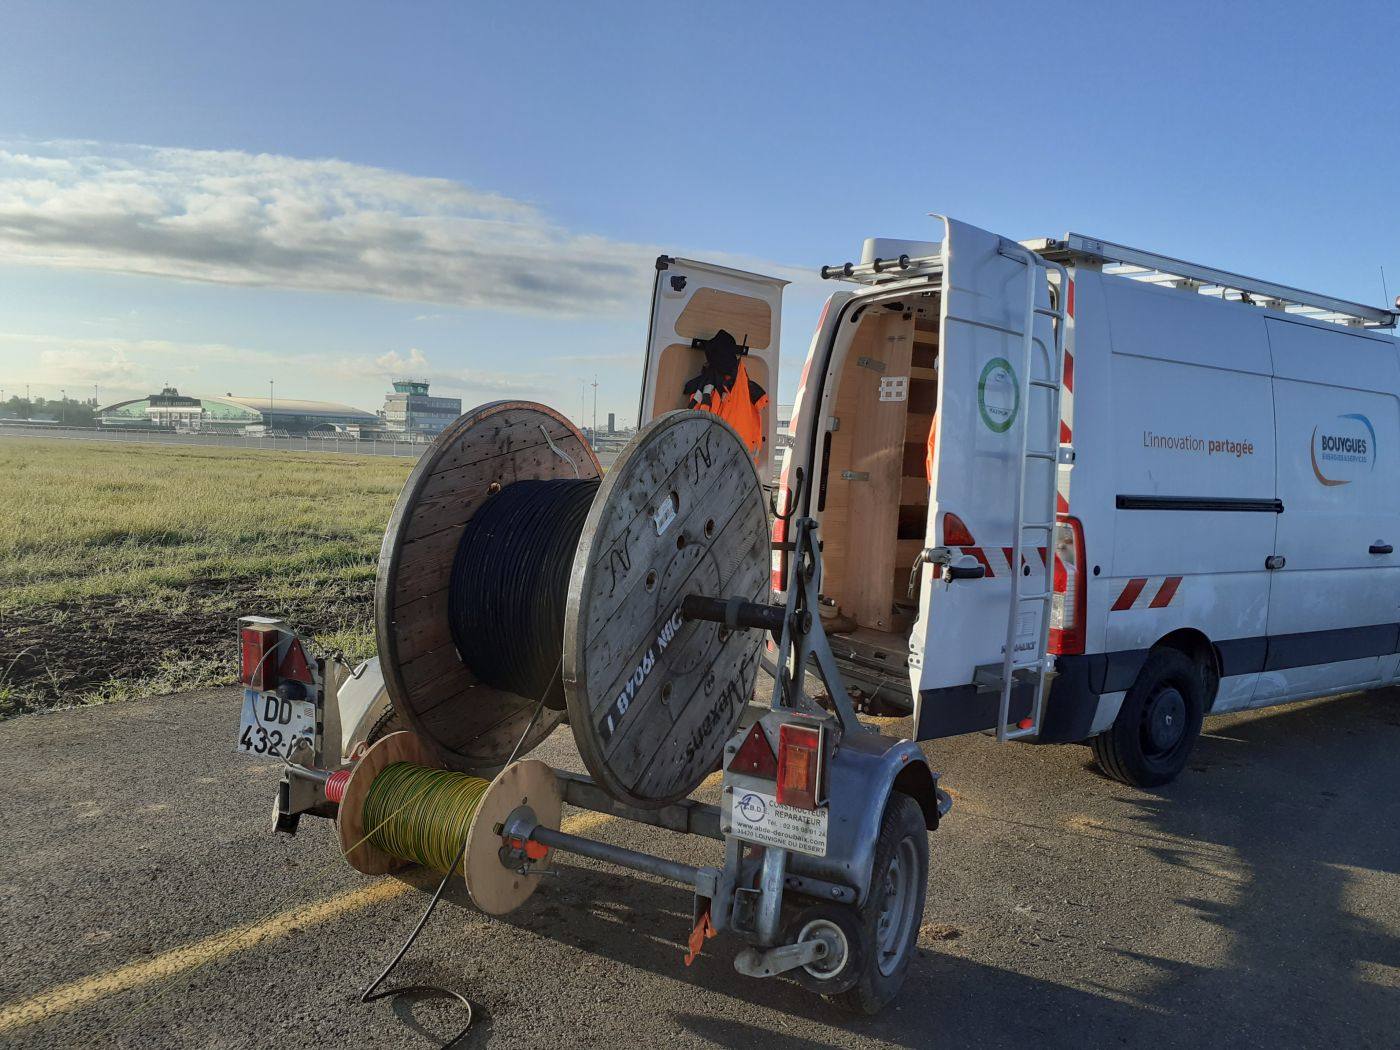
(145,902)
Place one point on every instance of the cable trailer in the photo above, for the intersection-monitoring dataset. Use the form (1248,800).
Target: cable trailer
(656,614)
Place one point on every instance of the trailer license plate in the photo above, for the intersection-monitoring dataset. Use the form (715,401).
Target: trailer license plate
(756,816)
(270,723)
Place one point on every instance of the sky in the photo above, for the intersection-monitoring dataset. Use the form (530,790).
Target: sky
(216,196)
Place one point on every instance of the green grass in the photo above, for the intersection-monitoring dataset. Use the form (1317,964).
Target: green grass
(123,568)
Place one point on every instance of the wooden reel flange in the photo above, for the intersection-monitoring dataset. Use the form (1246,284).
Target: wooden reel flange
(495,888)
(652,697)
(473,725)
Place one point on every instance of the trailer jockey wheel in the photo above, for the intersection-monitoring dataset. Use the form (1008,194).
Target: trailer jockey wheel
(838,926)
(1151,739)
(880,934)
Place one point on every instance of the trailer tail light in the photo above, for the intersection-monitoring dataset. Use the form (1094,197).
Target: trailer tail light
(799,766)
(955,533)
(1067,603)
(259,657)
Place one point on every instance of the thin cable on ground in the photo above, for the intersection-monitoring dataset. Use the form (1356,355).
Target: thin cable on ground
(370,994)
(285,899)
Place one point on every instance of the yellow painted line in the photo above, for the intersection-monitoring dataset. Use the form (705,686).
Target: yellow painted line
(178,960)
(169,964)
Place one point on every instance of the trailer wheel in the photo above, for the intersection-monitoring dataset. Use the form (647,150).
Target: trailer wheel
(1151,739)
(885,928)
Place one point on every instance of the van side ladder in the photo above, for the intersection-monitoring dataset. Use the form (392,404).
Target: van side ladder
(1040,528)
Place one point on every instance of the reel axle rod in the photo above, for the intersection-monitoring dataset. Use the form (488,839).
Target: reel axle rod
(703,880)
(734,612)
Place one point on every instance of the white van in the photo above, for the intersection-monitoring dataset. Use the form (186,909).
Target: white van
(1213,459)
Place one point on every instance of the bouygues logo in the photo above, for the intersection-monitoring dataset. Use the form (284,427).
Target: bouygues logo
(1343,450)
(998,395)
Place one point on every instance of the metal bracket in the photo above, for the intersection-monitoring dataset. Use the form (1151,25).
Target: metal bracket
(753,963)
(855,475)
(871,363)
(803,638)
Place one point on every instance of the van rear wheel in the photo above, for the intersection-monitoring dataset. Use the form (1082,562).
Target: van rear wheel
(1157,726)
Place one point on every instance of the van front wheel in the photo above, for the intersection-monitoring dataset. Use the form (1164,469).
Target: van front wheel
(1151,739)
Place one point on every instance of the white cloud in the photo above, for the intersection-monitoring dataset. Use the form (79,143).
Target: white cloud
(395,362)
(89,366)
(244,219)
(451,380)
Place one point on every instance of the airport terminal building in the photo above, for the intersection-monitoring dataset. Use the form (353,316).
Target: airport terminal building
(172,410)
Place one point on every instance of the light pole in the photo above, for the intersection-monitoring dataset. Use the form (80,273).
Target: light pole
(595,409)
(63,406)
(270,388)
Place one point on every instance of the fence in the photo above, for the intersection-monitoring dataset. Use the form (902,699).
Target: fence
(407,446)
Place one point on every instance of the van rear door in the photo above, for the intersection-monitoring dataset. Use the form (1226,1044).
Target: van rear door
(977,432)
(692,302)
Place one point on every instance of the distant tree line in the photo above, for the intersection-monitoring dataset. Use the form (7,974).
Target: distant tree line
(65,410)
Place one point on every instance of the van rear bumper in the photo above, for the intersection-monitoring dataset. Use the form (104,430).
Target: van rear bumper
(1073,701)
(1080,682)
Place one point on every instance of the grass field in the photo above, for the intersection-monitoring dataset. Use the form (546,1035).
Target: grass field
(123,568)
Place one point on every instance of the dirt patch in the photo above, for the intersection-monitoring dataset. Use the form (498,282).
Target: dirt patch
(86,652)
(939,932)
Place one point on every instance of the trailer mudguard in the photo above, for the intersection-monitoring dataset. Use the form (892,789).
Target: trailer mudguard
(860,776)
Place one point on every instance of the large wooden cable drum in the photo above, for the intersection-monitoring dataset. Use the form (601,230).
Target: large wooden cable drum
(473,725)
(652,697)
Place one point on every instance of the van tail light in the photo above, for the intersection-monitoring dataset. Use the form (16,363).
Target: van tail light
(799,765)
(955,533)
(1067,602)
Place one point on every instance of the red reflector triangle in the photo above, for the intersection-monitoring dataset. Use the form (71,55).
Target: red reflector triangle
(755,756)
(294,664)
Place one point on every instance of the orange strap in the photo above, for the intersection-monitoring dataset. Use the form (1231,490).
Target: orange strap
(704,929)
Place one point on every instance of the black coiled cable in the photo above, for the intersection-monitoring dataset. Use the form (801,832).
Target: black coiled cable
(510,582)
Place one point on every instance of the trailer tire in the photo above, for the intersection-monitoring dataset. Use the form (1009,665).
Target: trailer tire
(1150,741)
(890,918)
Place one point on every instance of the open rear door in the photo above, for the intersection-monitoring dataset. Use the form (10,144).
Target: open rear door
(692,302)
(985,402)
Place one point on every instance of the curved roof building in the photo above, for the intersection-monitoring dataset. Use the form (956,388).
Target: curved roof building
(171,408)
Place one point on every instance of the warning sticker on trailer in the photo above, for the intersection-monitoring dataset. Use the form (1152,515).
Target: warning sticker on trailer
(756,816)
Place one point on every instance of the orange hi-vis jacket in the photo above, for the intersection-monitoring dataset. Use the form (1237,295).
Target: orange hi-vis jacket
(738,408)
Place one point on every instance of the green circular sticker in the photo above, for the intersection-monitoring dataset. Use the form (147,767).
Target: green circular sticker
(998,395)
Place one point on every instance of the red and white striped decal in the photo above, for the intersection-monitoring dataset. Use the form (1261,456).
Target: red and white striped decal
(1066,407)
(1061,499)
(997,560)
(1147,592)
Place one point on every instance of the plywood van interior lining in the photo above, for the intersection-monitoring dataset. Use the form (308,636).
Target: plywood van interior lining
(873,496)
(748,320)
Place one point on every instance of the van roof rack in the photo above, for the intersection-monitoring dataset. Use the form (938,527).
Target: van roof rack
(882,271)
(1152,268)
